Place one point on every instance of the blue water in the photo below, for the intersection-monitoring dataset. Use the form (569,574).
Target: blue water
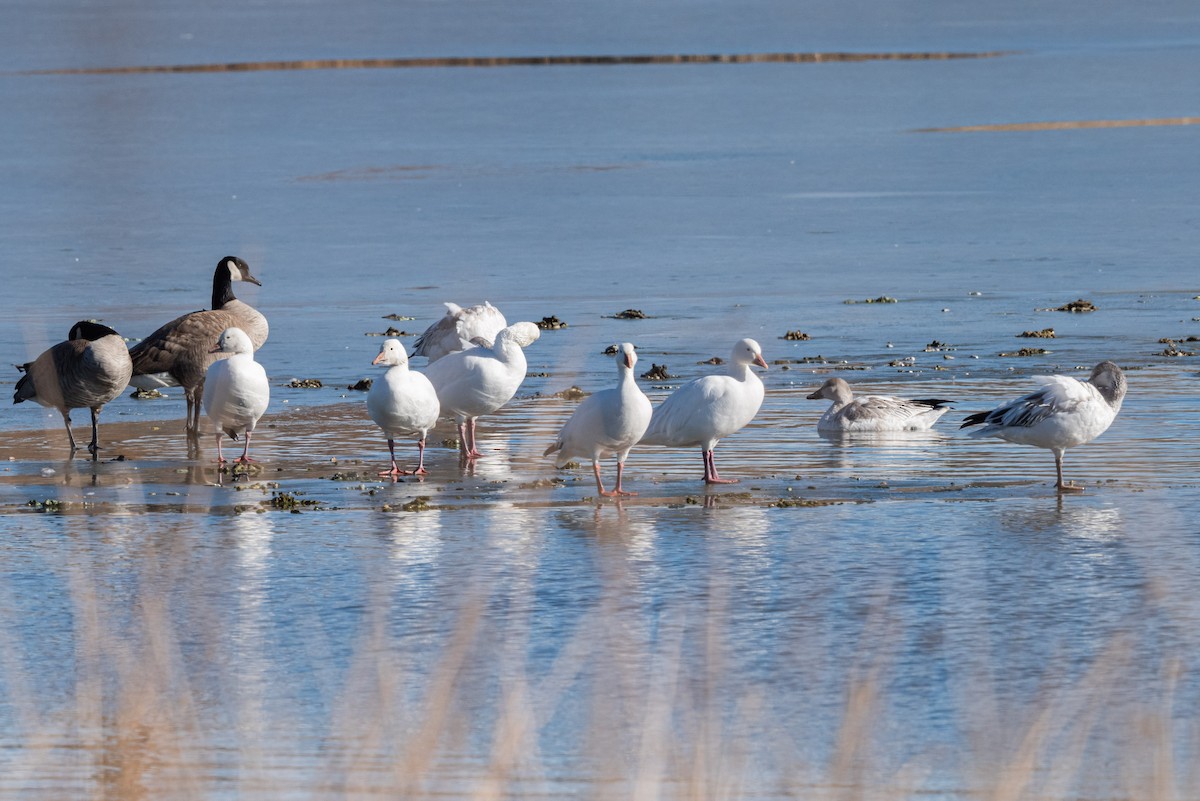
(722,200)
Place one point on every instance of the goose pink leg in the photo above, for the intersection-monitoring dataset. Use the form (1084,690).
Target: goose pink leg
(710,471)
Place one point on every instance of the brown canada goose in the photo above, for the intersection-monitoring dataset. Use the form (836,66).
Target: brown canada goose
(179,353)
(87,371)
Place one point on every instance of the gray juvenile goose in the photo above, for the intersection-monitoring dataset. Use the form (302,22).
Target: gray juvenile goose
(87,371)
(179,353)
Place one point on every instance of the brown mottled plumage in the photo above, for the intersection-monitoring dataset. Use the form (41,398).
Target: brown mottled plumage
(180,352)
(87,371)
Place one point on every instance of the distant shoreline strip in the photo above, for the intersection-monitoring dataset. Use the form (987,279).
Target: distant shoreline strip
(518,61)
(1064,125)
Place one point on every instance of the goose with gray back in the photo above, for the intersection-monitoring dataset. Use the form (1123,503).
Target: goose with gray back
(853,414)
(179,353)
(87,371)
(457,328)
(1064,413)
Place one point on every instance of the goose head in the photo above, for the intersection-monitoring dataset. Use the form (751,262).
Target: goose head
(626,357)
(747,352)
(521,334)
(391,354)
(233,340)
(86,329)
(835,389)
(1110,381)
(229,269)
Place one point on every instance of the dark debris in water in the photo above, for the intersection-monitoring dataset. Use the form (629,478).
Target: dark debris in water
(400,318)
(937,346)
(1045,333)
(305,383)
(551,323)
(713,360)
(657,372)
(784,503)
(290,502)
(1026,352)
(630,314)
(146,394)
(880,299)
(571,393)
(796,336)
(1075,306)
(392,331)
(1173,348)
(362,385)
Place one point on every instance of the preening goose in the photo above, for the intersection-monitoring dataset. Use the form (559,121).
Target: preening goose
(707,409)
(609,422)
(403,403)
(179,353)
(852,413)
(237,390)
(457,327)
(87,371)
(480,380)
(1064,413)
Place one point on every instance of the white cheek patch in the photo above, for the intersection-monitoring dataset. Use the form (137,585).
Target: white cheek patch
(234,273)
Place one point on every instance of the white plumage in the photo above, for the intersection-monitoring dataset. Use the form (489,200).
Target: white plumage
(874,413)
(1064,413)
(457,328)
(403,403)
(236,390)
(708,409)
(471,383)
(609,422)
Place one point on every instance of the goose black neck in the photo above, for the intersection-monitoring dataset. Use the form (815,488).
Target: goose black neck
(222,286)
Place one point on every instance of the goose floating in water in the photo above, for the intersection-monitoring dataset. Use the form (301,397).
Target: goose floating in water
(237,390)
(403,403)
(874,413)
(179,353)
(1064,413)
(710,408)
(457,328)
(478,381)
(609,422)
(87,371)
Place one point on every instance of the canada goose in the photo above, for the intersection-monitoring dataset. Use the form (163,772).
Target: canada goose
(87,371)
(607,423)
(238,391)
(403,403)
(1064,413)
(710,408)
(179,353)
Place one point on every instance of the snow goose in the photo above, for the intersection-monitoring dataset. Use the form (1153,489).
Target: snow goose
(874,413)
(87,371)
(457,327)
(179,353)
(606,423)
(1064,413)
(238,391)
(707,409)
(403,403)
(480,380)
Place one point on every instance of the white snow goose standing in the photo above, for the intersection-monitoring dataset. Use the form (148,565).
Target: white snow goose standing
(237,390)
(710,408)
(87,371)
(457,327)
(480,380)
(403,403)
(1064,413)
(850,413)
(179,353)
(609,422)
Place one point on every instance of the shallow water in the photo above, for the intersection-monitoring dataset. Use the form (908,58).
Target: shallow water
(171,630)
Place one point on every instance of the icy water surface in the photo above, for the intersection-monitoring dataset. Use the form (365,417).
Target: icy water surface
(918,614)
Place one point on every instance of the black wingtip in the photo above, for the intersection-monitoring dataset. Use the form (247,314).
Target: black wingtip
(975,419)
